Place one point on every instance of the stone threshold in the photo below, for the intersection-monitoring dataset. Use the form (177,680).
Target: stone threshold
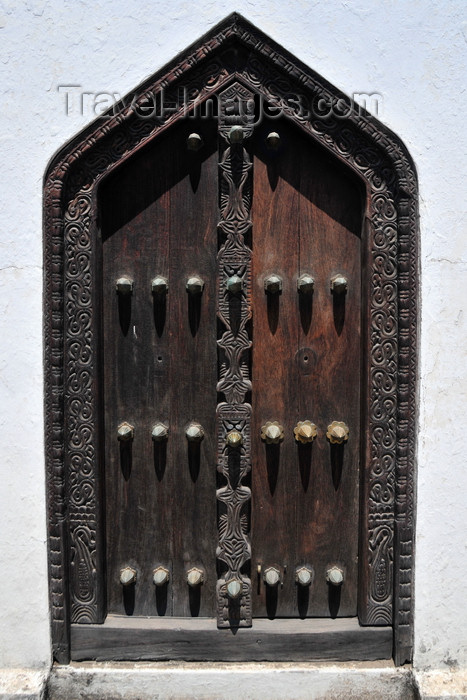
(231,681)
(378,680)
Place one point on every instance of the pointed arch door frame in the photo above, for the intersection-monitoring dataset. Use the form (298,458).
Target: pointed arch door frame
(232,51)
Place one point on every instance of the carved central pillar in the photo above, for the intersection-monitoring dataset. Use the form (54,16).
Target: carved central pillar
(234,311)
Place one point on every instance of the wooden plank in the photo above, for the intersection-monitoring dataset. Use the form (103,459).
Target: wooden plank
(307,217)
(161,639)
(159,216)
(134,211)
(274,377)
(193,370)
(330,377)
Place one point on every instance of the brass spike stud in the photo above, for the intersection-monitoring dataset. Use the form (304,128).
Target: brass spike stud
(194,577)
(337,433)
(194,142)
(124,286)
(194,432)
(234,284)
(234,438)
(272,432)
(236,134)
(234,588)
(273,284)
(303,575)
(272,576)
(305,431)
(305,284)
(159,285)
(194,285)
(159,432)
(335,576)
(125,432)
(127,576)
(339,284)
(273,140)
(160,576)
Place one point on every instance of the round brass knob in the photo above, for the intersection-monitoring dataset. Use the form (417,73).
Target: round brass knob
(124,286)
(234,588)
(194,432)
(127,576)
(159,285)
(339,284)
(194,577)
(273,140)
(160,576)
(234,284)
(337,433)
(305,284)
(194,285)
(272,576)
(335,576)
(273,284)
(272,432)
(236,134)
(304,575)
(234,438)
(160,432)
(194,142)
(125,432)
(305,431)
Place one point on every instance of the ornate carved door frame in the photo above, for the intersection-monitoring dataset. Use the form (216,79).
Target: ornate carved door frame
(233,52)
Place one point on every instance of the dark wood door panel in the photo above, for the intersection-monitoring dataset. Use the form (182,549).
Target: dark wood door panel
(330,244)
(192,382)
(307,216)
(158,217)
(275,217)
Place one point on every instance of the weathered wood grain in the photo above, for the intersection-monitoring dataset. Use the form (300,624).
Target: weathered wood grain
(158,218)
(307,218)
(124,639)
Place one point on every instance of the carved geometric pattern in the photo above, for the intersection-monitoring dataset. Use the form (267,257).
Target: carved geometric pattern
(71,327)
(236,108)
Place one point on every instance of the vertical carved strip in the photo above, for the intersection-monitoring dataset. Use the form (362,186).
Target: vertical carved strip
(54,432)
(382,409)
(404,515)
(80,414)
(234,312)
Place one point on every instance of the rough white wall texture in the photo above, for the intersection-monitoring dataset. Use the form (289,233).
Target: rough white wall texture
(435,685)
(413,56)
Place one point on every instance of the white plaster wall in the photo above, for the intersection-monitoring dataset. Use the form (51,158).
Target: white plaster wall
(411,53)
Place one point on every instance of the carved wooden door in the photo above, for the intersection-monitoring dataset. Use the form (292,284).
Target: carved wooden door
(165,360)
(230,333)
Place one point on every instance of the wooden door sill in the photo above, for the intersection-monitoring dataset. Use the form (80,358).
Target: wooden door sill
(198,639)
